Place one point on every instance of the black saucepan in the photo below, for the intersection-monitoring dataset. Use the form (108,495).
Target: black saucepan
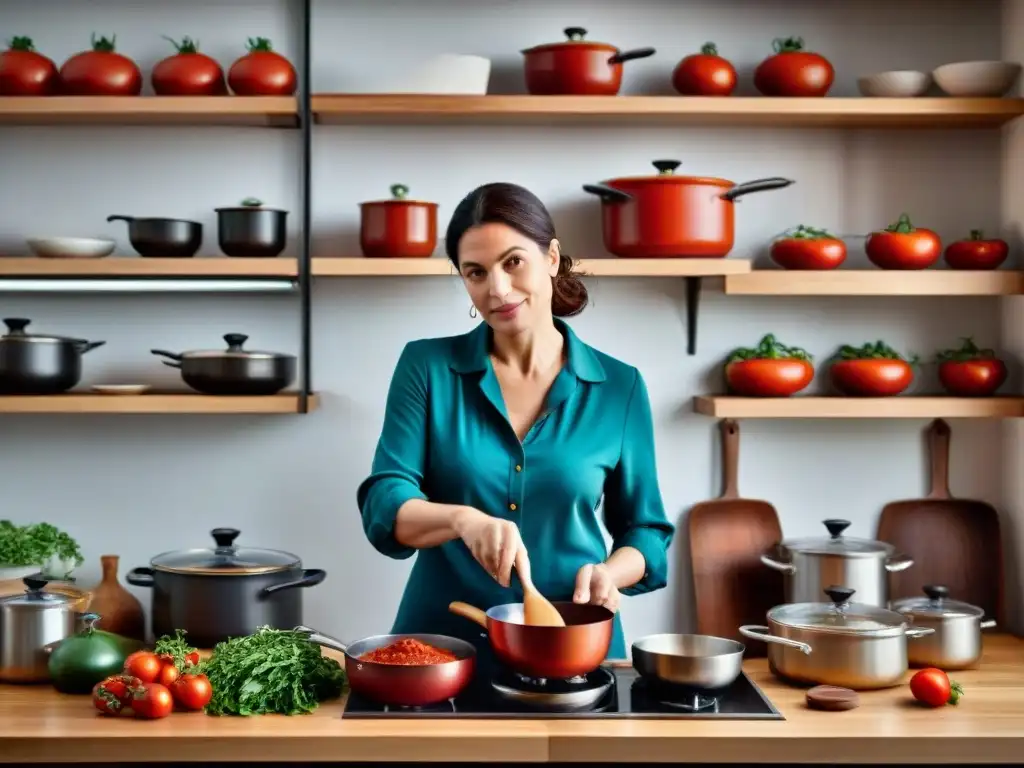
(163,238)
(33,364)
(233,371)
(251,231)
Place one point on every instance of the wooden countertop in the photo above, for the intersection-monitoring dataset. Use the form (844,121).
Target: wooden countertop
(39,725)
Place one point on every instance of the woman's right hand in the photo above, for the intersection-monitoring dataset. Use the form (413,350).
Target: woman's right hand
(495,543)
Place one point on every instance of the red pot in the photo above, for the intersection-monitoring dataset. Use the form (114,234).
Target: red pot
(577,67)
(398,228)
(672,216)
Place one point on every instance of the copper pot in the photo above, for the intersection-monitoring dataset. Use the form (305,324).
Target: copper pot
(672,216)
(577,67)
(398,228)
(547,652)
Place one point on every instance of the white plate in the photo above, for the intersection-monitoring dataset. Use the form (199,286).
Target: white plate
(71,247)
(120,389)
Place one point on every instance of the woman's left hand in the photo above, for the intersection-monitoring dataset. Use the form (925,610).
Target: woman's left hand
(594,585)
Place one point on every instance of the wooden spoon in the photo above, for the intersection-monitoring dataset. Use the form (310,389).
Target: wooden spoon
(537,609)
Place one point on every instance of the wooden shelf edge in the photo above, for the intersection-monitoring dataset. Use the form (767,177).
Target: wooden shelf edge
(137,266)
(901,407)
(877,282)
(268,111)
(605,267)
(180,403)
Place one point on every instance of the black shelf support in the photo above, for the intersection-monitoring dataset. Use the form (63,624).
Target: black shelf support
(306,196)
(692,307)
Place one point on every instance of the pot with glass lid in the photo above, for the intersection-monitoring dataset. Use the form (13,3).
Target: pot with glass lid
(813,564)
(842,643)
(224,591)
(956,642)
(31,623)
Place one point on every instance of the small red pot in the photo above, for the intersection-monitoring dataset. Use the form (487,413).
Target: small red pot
(398,228)
(577,67)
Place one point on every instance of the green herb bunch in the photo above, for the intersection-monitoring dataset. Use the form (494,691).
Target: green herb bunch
(968,351)
(878,350)
(769,348)
(36,544)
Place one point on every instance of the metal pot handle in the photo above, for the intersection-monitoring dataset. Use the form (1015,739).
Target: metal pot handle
(140,577)
(321,639)
(988,624)
(310,578)
(607,194)
(899,563)
(87,346)
(915,632)
(775,565)
(165,353)
(762,633)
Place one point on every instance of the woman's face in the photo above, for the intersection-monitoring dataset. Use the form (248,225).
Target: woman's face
(508,276)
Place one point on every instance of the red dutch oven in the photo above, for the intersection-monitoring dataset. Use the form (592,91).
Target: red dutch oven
(398,228)
(577,67)
(669,216)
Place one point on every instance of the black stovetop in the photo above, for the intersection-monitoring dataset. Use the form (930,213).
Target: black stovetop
(629,696)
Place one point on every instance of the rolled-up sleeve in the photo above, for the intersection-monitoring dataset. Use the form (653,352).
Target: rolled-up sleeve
(398,463)
(633,509)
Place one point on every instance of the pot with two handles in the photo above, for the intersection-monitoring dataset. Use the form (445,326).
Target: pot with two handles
(813,564)
(226,591)
(232,371)
(670,216)
(956,642)
(577,67)
(38,364)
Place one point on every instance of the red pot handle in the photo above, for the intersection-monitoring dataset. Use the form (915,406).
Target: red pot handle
(757,185)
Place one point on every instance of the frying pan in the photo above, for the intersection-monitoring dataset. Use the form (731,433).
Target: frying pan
(545,652)
(400,684)
(692,664)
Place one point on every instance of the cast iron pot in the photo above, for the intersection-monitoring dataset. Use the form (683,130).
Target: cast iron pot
(163,238)
(224,592)
(233,371)
(39,365)
(251,231)
(577,67)
(399,227)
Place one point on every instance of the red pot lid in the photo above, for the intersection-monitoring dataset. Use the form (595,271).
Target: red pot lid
(398,197)
(575,39)
(667,175)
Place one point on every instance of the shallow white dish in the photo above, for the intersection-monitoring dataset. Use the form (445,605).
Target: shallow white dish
(120,389)
(448,74)
(71,247)
(977,79)
(900,84)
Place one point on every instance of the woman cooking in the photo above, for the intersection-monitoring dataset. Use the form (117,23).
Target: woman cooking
(498,445)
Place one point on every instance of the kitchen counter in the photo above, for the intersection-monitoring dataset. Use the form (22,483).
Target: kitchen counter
(39,725)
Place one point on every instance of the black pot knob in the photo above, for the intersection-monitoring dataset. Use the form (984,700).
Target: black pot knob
(235,342)
(225,537)
(836,527)
(936,592)
(839,595)
(16,325)
(666,166)
(34,583)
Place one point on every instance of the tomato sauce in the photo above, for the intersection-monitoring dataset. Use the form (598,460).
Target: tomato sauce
(409,652)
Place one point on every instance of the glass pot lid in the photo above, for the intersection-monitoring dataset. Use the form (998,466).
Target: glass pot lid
(936,604)
(839,616)
(16,333)
(235,342)
(225,559)
(34,598)
(838,544)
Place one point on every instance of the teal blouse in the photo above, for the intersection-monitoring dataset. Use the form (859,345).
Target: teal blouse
(446,438)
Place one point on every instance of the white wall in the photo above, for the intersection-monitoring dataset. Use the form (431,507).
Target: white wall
(140,485)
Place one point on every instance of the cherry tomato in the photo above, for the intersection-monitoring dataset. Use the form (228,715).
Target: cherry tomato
(114,694)
(768,378)
(262,72)
(903,246)
(808,248)
(144,665)
(152,701)
(704,74)
(976,252)
(188,72)
(934,688)
(168,674)
(871,377)
(192,659)
(792,71)
(101,72)
(193,691)
(23,72)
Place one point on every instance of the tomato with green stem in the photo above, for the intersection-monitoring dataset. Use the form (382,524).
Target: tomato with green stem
(971,371)
(977,252)
(188,72)
(26,72)
(192,691)
(144,665)
(114,694)
(771,369)
(794,71)
(903,246)
(871,370)
(808,248)
(262,72)
(705,74)
(932,687)
(152,701)
(101,71)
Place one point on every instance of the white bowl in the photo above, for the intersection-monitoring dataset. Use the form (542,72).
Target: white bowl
(448,74)
(895,85)
(977,78)
(71,247)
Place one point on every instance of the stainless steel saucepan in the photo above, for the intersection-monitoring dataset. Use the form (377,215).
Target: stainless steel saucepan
(688,665)
(956,642)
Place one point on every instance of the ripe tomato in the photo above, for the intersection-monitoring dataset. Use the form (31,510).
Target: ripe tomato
(808,248)
(976,252)
(704,74)
(933,687)
(768,378)
(261,72)
(193,691)
(112,695)
(970,371)
(23,72)
(101,72)
(188,72)
(152,701)
(168,674)
(191,659)
(144,665)
(871,377)
(903,246)
(792,71)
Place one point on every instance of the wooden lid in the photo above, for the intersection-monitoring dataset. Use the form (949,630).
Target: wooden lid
(831,698)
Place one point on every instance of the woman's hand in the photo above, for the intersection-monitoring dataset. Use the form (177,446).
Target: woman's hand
(495,543)
(595,585)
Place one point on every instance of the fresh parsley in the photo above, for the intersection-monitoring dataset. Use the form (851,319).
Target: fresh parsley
(37,544)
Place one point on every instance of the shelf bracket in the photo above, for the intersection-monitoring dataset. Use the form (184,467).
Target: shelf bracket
(692,306)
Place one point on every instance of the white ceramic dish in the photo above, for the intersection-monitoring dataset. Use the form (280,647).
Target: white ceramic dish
(448,74)
(977,79)
(120,389)
(899,84)
(71,247)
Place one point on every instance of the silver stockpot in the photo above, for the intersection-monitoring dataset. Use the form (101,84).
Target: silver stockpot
(31,624)
(812,565)
(956,641)
(851,645)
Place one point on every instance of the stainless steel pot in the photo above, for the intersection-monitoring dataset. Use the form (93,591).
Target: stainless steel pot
(852,645)
(36,364)
(31,624)
(812,565)
(956,641)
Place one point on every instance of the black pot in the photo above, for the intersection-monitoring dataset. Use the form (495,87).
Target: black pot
(233,371)
(39,365)
(252,231)
(214,594)
(163,238)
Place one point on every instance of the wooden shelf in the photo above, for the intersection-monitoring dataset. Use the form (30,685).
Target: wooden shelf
(418,109)
(361,267)
(88,402)
(265,111)
(130,266)
(903,407)
(878,282)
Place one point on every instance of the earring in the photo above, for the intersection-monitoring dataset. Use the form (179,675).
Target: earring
(472,310)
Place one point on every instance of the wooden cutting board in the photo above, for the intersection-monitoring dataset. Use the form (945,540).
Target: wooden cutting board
(955,543)
(728,535)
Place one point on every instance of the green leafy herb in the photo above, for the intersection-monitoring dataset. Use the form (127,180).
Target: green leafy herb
(878,350)
(968,351)
(177,648)
(769,348)
(273,671)
(810,233)
(37,544)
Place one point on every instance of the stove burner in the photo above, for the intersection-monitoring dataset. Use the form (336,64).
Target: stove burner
(571,694)
(444,706)
(682,697)
(694,703)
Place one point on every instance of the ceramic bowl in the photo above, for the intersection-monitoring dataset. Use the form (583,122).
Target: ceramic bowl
(895,85)
(977,78)
(71,247)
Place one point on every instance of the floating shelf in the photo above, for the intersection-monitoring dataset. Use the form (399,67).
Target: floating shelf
(153,403)
(265,111)
(137,267)
(903,407)
(398,109)
(611,267)
(878,282)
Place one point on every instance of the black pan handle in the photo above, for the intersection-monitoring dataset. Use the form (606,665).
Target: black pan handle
(118,217)
(88,346)
(140,577)
(636,53)
(607,194)
(165,353)
(310,578)
(757,185)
